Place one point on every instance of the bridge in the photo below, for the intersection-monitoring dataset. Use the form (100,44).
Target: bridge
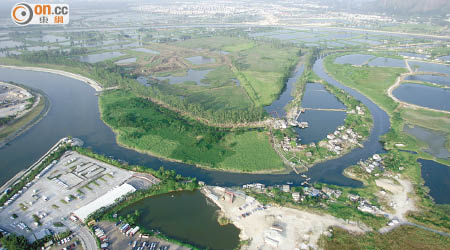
(322,109)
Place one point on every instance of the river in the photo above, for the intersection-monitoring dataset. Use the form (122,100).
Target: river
(74,111)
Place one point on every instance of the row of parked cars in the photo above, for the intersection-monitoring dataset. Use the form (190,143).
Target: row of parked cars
(136,245)
(102,237)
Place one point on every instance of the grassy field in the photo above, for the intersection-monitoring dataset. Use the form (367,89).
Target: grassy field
(148,127)
(252,152)
(373,82)
(404,237)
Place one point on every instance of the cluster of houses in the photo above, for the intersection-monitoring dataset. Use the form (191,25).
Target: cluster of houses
(325,193)
(373,163)
(358,110)
(364,205)
(283,124)
(291,144)
(340,139)
(336,142)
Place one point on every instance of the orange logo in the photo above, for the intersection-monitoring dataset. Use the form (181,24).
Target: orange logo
(25,13)
(22,13)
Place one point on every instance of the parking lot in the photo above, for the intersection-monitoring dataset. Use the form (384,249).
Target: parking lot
(119,241)
(68,184)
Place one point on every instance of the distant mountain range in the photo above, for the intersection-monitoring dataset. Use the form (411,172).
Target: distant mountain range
(412,6)
(396,7)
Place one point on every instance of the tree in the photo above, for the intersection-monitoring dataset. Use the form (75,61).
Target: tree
(14,242)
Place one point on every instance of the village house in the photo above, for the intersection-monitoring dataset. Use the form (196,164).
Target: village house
(353,197)
(296,196)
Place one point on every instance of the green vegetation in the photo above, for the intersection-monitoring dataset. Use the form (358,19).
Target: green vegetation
(58,224)
(14,242)
(145,126)
(371,81)
(37,220)
(341,207)
(403,237)
(374,82)
(359,123)
(264,76)
(252,153)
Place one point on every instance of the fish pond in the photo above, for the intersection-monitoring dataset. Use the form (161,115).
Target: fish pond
(200,60)
(94,58)
(424,95)
(187,216)
(191,75)
(435,140)
(442,80)
(437,179)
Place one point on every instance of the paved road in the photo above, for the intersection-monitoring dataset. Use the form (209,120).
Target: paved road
(390,228)
(87,239)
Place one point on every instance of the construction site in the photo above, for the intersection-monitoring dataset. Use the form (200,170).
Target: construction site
(269,227)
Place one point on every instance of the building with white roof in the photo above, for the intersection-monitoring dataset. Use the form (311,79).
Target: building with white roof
(103,201)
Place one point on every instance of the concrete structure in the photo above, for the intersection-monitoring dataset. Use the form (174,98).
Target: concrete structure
(106,200)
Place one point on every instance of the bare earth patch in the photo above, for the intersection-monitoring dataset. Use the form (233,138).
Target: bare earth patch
(275,227)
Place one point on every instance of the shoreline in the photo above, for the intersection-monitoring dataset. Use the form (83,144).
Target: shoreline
(153,154)
(22,129)
(397,84)
(95,85)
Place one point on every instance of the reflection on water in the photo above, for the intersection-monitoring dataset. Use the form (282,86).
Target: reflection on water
(435,140)
(126,61)
(430,67)
(145,50)
(187,216)
(94,58)
(200,60)
(437,178)
(192,75)
(430,78)
(316,96)
(321,123)
(353,59)
(423,95)
(387,62)
(276,109)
